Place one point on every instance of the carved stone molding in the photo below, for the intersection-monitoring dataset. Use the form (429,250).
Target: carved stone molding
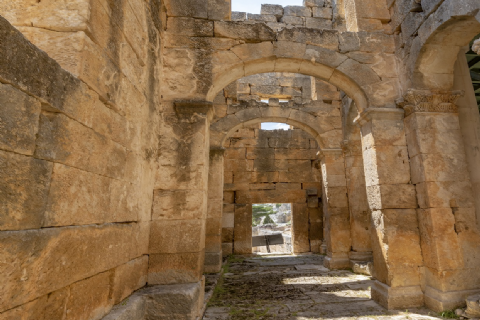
(476,46)
(428,101)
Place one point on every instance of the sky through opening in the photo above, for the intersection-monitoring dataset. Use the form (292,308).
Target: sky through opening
(253,6)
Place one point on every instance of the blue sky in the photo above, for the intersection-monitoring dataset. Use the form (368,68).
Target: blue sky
(275,126)
(253,6)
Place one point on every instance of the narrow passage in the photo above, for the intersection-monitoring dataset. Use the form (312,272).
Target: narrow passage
(296,288)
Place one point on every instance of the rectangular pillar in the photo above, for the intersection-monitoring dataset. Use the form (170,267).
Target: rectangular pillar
(449,234)
(336,211)
(360,224)
(392,202)
(242,232)
(179,211)
(300,230)
(213,237)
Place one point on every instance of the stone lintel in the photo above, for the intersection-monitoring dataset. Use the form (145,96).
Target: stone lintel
(430,101)
(397,297)
(440,301)
(188,108)
(379,114)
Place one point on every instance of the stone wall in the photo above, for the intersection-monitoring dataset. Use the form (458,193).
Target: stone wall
(294,87)
(77,154)
(314,14)
(271,167)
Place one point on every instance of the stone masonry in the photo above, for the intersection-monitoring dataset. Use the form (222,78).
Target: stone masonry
(130,148)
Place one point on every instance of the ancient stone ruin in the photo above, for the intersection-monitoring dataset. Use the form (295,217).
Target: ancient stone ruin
(131,153)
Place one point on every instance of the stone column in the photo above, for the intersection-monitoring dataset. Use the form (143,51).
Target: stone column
(449,234)
(360,224)
(392,202)
(179,211)
(213,236)
(335,208)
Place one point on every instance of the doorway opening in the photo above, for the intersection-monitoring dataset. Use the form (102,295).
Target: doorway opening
(473,59)
(272,228)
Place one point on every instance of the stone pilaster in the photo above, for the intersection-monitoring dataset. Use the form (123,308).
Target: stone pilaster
(213,237)
(179,211)
(392,202)
(335,208)
(446,213)
(360,224)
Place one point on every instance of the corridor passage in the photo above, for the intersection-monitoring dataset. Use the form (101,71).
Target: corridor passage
(296,288)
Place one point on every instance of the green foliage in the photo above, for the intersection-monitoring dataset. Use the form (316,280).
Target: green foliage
(268,220)
(448,314)
(278,205)
(259,211)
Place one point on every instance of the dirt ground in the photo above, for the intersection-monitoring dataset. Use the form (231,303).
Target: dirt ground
(296,288)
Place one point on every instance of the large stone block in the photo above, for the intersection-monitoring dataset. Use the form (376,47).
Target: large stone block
(179,204)
(50,15)
(78,198)
(400,196)
(243,229)
(386,165)
(84,251)
(51,306)
(128,278)
(248,32)
(298,11)
(133,308)
(190,27)
(89,299)
(19,117)
(64,140)
(24,185)
(174,302)
(271,196)
(272,9)
(445,194)
(439,167)
(175,268)
(300,228)
(327,39)
(176,236)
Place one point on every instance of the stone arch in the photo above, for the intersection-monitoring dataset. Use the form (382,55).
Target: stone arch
(326,135)
(350,76)
(440,39)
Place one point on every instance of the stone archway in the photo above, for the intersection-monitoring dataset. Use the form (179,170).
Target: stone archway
(440,125)
(328,138)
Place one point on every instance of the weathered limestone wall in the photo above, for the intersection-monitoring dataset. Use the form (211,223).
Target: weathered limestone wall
(271,167)
(77,150)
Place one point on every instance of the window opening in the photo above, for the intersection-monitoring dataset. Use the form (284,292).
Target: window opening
(270,126)
(253,6)
(272,228)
